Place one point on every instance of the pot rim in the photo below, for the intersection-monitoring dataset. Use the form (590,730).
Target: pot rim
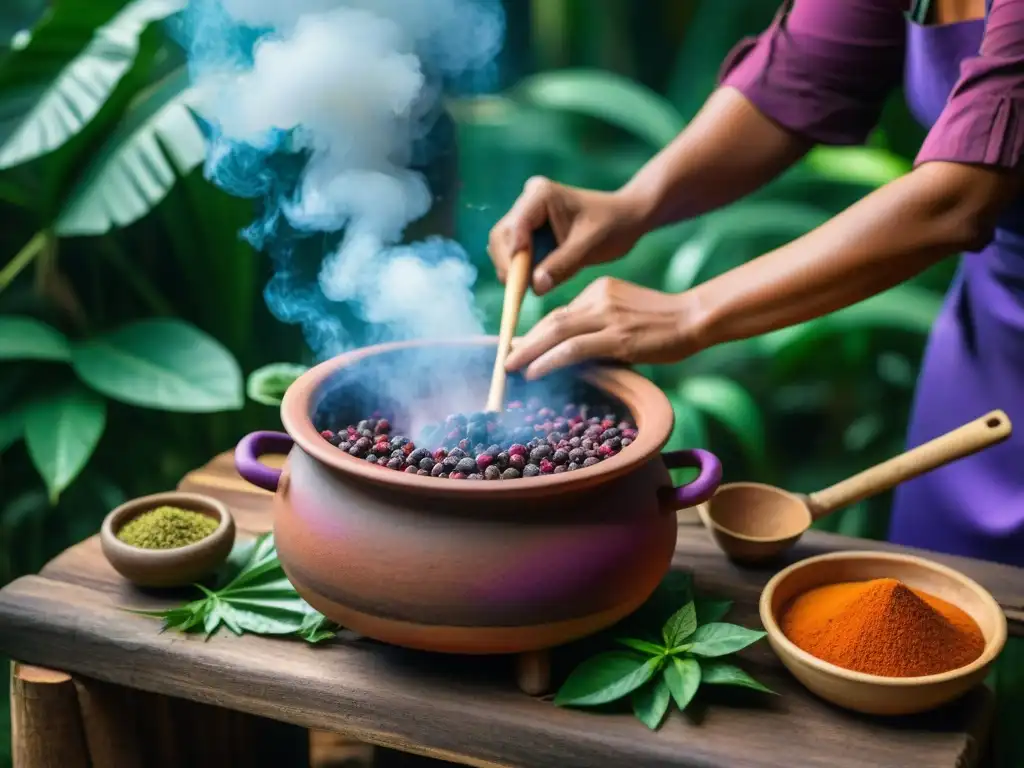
(647,404)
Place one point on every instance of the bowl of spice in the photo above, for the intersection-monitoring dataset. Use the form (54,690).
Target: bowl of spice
(168,539)
(882,633)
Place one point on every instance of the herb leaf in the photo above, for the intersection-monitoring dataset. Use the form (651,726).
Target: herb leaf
(711,611)
(680,625)
(650,702)
(606,677)
(720,673)
(259,600)
(683,678)
(722,639)
(643,646)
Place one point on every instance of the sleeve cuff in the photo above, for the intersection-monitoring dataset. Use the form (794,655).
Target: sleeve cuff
(987,131)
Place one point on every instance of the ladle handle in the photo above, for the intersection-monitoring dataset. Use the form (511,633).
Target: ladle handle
(516,282)
(990,429)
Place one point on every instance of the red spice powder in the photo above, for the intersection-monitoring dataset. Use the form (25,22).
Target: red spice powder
(882,627)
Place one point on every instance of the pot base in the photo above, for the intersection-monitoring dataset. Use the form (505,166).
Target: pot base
(477,641)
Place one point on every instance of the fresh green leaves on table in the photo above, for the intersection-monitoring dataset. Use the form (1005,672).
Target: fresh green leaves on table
(259,600)
(654,675)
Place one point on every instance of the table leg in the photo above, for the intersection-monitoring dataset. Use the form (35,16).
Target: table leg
(46,727)
(533,672)
(125,728)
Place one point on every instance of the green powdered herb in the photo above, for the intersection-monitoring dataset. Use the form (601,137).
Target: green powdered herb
(167,528)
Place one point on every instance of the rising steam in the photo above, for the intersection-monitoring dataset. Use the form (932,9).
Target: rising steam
(320,109)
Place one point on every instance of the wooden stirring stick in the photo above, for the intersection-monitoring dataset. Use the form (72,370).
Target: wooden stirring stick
(516,282)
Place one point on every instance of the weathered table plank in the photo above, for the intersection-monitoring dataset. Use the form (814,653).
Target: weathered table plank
(468,710)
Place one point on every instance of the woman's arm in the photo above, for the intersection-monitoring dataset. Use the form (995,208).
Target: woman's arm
(939,209)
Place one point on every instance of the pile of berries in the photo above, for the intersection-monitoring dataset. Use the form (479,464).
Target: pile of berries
(526,441)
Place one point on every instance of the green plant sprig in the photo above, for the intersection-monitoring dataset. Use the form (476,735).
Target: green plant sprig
(259,600)
(656,674)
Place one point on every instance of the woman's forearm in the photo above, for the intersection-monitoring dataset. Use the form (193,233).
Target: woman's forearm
(729,150)
(898,231)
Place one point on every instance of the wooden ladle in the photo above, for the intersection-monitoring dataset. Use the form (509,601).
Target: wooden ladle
(752,522)
(516,283)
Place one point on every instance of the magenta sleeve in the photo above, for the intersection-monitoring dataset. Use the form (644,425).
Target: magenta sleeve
(824,68)
(983,121)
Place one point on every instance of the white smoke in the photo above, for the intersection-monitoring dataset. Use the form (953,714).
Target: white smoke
(353,84)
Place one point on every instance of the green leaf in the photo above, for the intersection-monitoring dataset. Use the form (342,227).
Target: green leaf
(259,600)
(164,364)
(642,645)
(720,673)
(47,101)
(870,166)
(23,338)
(680,625)
(710,611)
(650,702)
(605,96)
(721,639)
(156,143)
(606,677)
(61,432)
(12,427)
(683,678)
(731,405)
(267,385)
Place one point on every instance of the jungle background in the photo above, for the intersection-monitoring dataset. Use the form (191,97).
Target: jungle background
(131,311)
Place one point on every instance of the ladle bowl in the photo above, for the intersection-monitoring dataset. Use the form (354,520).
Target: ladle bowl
(754,522)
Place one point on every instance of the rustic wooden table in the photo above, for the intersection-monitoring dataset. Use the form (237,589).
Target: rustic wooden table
(242,692)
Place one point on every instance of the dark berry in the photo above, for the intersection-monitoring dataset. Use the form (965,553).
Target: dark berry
(371,457)
(626,441)
(418,455)
(411,470)
(426,464)
(466,466)
(591,461)
(456,453)
(395,463)
(577,455)
(573,466)
(540,452)
(510,474)
(615,443)
(560,457)
(609,433)
(398,441)
(559,469)
(356,451)
(531,470)
(423,472)
(345,446)
(475,476)
(502,460)
(382,462)
(438,470)
(450,463)
(364,444)
(492,473)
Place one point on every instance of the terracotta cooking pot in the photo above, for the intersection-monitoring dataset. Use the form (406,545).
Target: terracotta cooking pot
(468,566)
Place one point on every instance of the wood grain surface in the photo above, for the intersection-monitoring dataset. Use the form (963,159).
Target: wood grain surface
(464,710)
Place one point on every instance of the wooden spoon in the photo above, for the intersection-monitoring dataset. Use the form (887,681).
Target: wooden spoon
(516,283)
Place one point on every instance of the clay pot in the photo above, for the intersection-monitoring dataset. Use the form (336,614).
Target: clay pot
(463,566)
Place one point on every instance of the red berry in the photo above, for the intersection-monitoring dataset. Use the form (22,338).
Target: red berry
(484,461)
(546,467)
(606,450)
(440,454)
(408,448)
(383,427)
(457,476)
(327,434)
(517,450)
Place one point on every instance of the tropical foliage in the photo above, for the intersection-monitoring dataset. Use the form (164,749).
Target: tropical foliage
(130,308)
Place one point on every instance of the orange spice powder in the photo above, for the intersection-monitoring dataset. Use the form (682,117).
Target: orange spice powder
(882,627)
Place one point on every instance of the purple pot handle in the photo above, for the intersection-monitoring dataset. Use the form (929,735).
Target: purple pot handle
(701,489)
(247,457)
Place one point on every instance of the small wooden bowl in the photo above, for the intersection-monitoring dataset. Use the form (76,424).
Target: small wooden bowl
(168,567)
(872,694)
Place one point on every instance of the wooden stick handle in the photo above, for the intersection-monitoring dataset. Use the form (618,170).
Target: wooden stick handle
(516,283)
(990,429)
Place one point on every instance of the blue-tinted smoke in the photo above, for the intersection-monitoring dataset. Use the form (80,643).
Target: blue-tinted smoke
(321,111)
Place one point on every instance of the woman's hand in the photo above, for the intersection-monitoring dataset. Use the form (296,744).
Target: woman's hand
(611,319)
(590,227)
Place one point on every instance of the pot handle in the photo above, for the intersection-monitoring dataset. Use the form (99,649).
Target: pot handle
(699,490)
(247,457)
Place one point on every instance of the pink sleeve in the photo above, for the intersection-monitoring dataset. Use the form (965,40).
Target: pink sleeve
(983,122)
(824,68)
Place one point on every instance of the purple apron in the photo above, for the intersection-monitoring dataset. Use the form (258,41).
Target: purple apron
(974,360)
